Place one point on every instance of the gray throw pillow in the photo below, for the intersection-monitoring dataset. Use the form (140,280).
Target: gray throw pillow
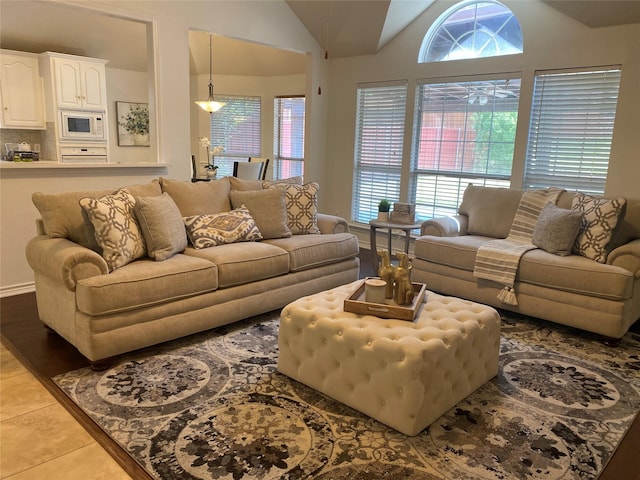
(556,229)
(268,209)
(162,226)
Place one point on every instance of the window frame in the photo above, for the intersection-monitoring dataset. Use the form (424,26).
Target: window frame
(287,166)
(448,184)
(364,204)
(577,162)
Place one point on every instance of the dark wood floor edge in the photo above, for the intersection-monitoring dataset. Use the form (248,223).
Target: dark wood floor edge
(123,458)
(624,454)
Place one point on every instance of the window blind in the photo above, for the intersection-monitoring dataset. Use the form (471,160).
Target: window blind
(235,128)
(379,145)
(464,132)
(571,128)
(288,144)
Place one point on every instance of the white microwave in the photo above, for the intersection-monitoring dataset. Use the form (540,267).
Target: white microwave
(82,125)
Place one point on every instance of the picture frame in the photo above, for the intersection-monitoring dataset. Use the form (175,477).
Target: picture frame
(132,124)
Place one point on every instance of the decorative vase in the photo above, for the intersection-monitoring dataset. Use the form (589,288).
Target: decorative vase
(140,139)
(383,216)
(211,174)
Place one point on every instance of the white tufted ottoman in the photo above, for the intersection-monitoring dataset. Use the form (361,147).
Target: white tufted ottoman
(403,374)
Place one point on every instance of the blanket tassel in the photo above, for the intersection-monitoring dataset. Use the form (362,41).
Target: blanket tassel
(508,295)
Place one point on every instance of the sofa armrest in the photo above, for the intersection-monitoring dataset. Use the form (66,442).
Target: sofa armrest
(332,224)
(452,226)
(627,256)
(63,260)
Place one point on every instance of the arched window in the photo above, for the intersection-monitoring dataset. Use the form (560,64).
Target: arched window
(472,29)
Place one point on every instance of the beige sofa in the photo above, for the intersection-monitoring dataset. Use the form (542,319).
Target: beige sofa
(598,296)
(105,306)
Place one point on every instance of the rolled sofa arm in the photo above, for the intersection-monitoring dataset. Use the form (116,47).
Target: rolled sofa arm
(627,256)
(332,224)
(452,226)
(63,260)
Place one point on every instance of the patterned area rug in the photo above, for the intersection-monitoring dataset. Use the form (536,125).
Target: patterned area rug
(212,406)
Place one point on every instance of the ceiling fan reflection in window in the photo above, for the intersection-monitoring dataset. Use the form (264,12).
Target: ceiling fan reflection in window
(483,92)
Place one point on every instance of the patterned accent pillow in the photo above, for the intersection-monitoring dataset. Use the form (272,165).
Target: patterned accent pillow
(302,207)
(222,228)
(556,229)
(117,232)
(600,217)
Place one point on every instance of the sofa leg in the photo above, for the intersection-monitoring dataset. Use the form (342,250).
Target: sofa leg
(610,341)
(101,365)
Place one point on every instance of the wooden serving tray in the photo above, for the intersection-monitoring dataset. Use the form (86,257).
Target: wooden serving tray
(390,309)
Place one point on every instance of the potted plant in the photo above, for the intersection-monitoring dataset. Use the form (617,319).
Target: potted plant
(383,210)
(211,169)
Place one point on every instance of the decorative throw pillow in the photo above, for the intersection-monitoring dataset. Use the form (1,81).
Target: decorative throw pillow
(222,228)
(600,217)
(302,207)
(116,230)
(268,209)
(161,225)
(199,198)
(556,229)
(242,184)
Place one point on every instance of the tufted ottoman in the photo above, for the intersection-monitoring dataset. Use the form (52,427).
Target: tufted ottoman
(403,374)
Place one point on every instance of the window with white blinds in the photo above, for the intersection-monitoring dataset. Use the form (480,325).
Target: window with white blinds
(288,144)
(571,128)
(378,151)
(235,128)
(464,132)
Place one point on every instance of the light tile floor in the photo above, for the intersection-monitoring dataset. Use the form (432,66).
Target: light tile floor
(39,439)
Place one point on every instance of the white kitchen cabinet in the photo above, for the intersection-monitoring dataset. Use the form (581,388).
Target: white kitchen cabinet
(79,82)
(21,91)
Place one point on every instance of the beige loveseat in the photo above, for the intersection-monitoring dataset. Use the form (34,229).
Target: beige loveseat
(598,296)
(106,306)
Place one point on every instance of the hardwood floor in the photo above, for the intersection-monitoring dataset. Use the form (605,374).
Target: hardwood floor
(45,355)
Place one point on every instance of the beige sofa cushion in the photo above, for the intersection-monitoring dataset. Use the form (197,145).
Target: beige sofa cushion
(572,273)
(240,263)
(146,282)
(490,210)
(268,209)
(243,185)
(62,215)
(310,251)
(162,226)
(199,198)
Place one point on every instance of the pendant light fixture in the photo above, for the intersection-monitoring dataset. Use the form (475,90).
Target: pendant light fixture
(210,105)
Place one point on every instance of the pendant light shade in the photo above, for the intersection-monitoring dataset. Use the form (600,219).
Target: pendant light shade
(210,105)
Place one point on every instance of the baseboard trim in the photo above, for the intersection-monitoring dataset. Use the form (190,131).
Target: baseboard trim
(19,289)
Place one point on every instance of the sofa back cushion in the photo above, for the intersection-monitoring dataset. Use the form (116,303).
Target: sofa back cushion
(490,210)
(199,198)
(61,213)
(268,209)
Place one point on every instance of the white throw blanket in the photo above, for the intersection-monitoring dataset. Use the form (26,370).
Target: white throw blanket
(498,260)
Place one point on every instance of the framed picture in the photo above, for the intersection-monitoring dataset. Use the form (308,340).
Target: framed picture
(133,124)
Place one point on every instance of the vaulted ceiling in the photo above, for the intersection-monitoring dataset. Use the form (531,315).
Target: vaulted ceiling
(343,27)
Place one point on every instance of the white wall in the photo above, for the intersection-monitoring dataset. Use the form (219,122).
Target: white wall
(551,40)
(126,86)
(270,22)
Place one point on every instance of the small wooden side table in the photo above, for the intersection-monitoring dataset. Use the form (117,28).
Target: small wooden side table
(375,224)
